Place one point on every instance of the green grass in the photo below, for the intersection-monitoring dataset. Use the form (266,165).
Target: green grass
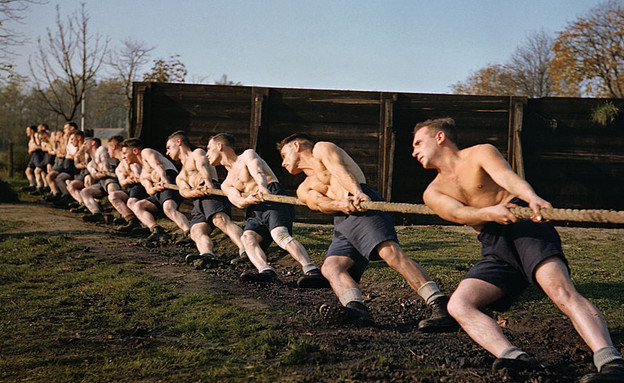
(66,315)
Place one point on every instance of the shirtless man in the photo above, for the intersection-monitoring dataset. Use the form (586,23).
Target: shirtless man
(195,180)
(73,174)
(100,168)
(335,184)
(156,171)
(266,221)
(128,178)
(476,186)
(64,164)
(36,156)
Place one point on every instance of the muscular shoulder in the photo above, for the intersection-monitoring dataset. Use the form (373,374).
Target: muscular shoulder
(199,153)
(249,154)
(322,148)
(480,151)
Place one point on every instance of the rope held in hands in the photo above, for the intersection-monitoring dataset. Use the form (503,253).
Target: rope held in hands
(576,215)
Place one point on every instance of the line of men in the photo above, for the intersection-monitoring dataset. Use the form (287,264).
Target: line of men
(475,186)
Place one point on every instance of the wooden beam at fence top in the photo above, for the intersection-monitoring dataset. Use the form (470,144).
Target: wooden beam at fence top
(514,143)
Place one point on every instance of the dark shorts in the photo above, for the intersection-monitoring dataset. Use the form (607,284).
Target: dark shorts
(81,175)
(357,235)
(206,207)
(66,166)
(265,216)
(103,184)
(58,163)
(159,198)
(36,159)
(510,255)
(47,159)
(136,191)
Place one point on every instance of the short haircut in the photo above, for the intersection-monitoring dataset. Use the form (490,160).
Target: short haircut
(32,127)
(304,138)
(73,124)
(180,135)
(43,126)
(96,140)
(224,138)
(78,133)
(118,139)
(132,143)
(446,125)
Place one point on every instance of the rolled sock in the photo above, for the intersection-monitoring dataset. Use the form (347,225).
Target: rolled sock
(266,268)
(511,353)
(351,295)
(207,254)
(605,355)
(429,292)
(241,251)
(309,267)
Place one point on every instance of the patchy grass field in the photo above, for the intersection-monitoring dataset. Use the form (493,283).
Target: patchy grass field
(84,305)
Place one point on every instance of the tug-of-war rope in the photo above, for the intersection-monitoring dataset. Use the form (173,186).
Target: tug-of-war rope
(575,215)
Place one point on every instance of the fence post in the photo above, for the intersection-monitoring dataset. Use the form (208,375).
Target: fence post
(514,144)
(10,159)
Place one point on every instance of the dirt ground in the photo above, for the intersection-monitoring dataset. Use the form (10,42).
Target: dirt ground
(393,350)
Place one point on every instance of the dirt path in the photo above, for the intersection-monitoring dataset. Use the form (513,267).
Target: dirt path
(394,348)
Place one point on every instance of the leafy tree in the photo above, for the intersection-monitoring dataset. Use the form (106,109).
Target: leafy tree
(172,70)
(525,74)
(589,53)
(67,62)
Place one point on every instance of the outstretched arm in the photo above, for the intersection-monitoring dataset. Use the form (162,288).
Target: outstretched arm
(499,170)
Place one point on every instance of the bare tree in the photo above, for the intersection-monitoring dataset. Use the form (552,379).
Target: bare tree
(529,66)
(126,63)
(66,62)
(11,11)
(525,74)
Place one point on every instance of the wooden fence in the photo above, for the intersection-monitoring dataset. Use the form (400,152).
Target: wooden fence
(375,128)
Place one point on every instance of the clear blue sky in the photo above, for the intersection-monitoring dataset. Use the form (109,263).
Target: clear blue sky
(385,45)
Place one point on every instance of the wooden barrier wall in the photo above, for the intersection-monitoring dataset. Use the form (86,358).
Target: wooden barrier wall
(375,128)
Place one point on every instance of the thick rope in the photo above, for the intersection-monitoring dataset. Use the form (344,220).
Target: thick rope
(575,215)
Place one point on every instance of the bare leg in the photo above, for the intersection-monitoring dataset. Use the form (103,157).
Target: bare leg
(394,256)
(200,234)
(142,209)
(119,199)
(51,177)
(88,196)
(335,270)
(170,207)
(251,241)
(232,230)
(552,275)
(30,174)
(73,188)
(464,305)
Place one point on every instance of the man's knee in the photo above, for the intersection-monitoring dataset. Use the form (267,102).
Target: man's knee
(281,236)
(392,254)
(220,220)
(456,307)
(249,238)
